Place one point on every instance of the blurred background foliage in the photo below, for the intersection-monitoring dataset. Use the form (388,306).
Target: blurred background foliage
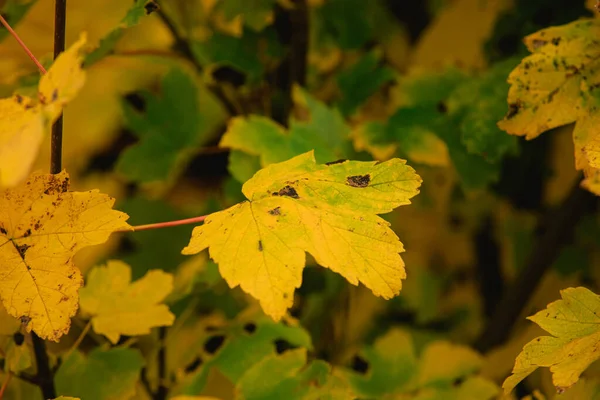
(183,105)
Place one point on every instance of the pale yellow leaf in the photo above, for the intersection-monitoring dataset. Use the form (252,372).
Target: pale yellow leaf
(120,307)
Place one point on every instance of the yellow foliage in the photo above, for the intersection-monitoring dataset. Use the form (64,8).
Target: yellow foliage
(42,226)
(327,210)
(119,307)
(23,123)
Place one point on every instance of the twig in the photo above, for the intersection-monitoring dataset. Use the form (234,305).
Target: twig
(80,338)
(22,44)
(159,225)
(60,20)
(558,229)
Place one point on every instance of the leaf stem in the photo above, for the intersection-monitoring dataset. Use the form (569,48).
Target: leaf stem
(167,224)
(5,385)
(60,22)
(22,44)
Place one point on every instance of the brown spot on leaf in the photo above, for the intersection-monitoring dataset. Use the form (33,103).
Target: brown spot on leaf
(513,109)
(3,231)
(260,246)
(275,211)
(22,249)
(27,233)
(359,181)
(288,191)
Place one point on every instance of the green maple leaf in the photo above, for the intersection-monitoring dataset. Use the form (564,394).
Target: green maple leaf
(298,206)
(290,377)
(169,129)
(324,131)
(574,324)
(395,369)
(100,375)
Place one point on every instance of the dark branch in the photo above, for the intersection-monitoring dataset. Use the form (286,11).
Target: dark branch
(162,391)
(44,377)
(60,21)
(558,228)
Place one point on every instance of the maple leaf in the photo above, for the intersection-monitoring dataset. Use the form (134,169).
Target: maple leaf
(42,226)
(298,206)
(24,123)
(395,369)
(559,84)
(119,307)
(574,324)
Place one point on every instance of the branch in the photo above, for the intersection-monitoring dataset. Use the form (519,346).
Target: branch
(159,225)
(60,21)
(292,27)
(22,44)
(558,228)
(162,391)
(44,377)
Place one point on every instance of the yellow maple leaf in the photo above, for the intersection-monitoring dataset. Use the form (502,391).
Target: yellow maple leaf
(23,122)
(574,324)
(119,307)
(42,225)
(557,85)
(298,206)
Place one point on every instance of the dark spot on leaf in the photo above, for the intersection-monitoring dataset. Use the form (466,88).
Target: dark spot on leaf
(150,7)
(441,107)
(275,211)
(27,233)
(18,338)
(288,191)
(250,327)
(555,41)
(2,230)
(136,101)
(214,343)
(229,75)
(341,160)
(537,43)
(360,365)
(358,181)
(22,249)
(191,367)
(458,381)
(25,320)
(260,246)
(55,95)
(513,109)
(282,345)
(19,98)
(211,328)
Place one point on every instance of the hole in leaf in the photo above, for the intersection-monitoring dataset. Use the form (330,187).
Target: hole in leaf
(360,365)
(250,327)
(191,367)
(136,101)
(150,7)
(358,181)
(214,343)
(18,338)
(282,345)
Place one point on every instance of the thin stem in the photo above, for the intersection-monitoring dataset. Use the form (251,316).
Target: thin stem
(160,225)
(5,385)
(80,338)
(162,391)
(60,22)
(22,44)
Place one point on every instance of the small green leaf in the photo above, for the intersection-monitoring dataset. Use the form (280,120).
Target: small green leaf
(361,80)
(101,375)
(169,129)
(132,18)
